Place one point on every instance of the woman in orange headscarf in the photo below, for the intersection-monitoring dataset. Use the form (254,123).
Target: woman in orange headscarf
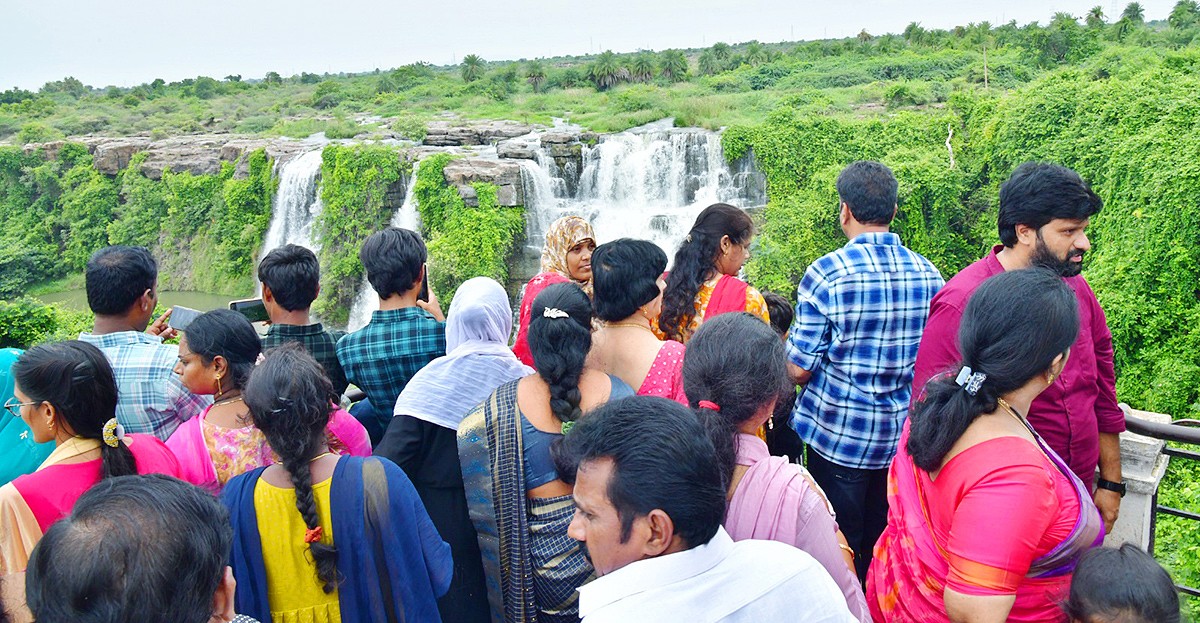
(567,257)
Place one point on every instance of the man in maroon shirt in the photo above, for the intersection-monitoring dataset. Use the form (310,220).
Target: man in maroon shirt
(1044,210)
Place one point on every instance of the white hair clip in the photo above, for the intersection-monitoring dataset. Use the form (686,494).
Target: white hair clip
(970,380)
(553,312)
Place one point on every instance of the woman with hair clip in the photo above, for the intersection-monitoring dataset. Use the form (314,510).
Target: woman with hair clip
(66,393)
(702,282)
(321,537)
(628,298)
(566,258)
(519,506)
(734,372)
(217,351)
(985,522)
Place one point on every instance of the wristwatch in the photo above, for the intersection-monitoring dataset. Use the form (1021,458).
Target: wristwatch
(1119,487)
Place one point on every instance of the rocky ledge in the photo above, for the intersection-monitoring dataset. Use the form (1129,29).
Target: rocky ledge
(197,154)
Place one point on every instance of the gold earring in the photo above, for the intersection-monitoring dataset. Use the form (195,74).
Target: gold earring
(219,385)
(1050,378)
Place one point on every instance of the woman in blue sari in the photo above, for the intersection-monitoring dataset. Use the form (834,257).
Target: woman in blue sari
(518,505)
(321,537)
(19,455)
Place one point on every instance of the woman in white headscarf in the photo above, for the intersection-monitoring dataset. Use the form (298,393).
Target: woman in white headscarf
(421,438)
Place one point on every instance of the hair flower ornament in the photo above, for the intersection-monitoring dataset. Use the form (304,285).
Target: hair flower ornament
(970,380)
(113,433)
(554,312)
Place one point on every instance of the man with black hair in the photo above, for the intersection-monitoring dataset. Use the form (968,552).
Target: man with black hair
(404,334)
(860,311)
(147,548)
(291,280)
(122,290)
(1044,212)
(650,498)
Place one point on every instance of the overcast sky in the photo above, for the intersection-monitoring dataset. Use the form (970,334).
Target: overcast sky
(129,42)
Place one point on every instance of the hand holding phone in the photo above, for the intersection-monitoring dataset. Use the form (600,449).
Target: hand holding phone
(181,317)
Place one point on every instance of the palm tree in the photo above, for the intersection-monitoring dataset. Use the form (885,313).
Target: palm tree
(864,36)
(673,65)
(1185,13)
(641,67)
(472,67)
(535,75)
(914,33)
(721,51)
(1095,17)
(756,54)
(605,72)
(708,63)
(1134,13)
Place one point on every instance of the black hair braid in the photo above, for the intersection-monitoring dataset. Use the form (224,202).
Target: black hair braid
(943,416)
(325,556)
(723,434)
(118,461)
(560,345)
(289,398)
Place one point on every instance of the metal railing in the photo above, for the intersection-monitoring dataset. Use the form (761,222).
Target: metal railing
(1180,432)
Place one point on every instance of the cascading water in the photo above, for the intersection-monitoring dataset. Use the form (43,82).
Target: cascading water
(648,185)
(366,301)
(297,203)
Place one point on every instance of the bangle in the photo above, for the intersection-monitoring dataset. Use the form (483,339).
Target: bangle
(847,548)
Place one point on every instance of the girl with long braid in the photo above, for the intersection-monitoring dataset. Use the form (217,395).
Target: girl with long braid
(322,537)
(519,506)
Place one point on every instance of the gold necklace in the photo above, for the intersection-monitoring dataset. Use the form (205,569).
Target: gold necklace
(1011,411)
(631,324)
(227,401)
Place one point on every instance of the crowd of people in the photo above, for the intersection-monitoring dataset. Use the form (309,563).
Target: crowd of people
(654,445)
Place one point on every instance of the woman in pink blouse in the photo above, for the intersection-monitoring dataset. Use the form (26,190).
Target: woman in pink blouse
(733,373)
(628,284)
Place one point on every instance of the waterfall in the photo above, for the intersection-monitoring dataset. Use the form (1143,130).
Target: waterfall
(297,204)
(366,301)
(648,185)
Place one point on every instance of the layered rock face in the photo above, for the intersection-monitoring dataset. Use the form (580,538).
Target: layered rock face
(197,154)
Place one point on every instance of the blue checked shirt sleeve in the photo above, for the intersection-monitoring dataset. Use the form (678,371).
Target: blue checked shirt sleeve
(809,336)
(187,405)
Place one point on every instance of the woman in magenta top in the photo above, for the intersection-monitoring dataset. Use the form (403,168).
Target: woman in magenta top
(734,371)
(985,521)
(217,351)
(566,258)
(67,394)
(628,297)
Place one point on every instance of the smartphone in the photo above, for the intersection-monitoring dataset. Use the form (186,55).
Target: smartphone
(423,295)
(252,309)
(181,317)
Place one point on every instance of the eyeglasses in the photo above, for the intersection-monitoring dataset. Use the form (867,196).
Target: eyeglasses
(15,407)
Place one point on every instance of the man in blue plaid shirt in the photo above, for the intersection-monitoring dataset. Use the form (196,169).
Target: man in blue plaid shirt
(122,290)
(402,337)
(860,312)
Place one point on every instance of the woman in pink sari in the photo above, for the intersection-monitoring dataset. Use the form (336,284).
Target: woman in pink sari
(734,372)
(67,394)
(628,297)
(566,258)
(985,521)
(216,353)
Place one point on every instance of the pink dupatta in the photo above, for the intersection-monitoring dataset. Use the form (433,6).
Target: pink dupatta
(728,295)
(775,502)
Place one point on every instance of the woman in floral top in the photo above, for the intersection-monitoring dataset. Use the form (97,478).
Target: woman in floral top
(216,354)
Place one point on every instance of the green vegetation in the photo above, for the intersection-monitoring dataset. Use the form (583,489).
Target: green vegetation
(355,182)
(464,241)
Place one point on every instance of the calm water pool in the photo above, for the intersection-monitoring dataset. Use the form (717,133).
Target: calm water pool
(77,299)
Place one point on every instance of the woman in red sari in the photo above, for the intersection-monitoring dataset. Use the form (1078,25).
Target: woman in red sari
(703,282)
(566,258)
(985,521)
(66,393)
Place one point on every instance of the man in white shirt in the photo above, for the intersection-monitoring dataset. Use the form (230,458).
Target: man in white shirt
(649,499)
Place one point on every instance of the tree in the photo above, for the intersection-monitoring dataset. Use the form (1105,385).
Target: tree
(273,77)
(233,78)
(641,67)
(914,33)
(1134,13)
(472,67)
(1095,17)
(708,63)
(1185,14)
(864,36)
(606,72)
(673,65)
(756,54)
(721,51)
(535,75)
